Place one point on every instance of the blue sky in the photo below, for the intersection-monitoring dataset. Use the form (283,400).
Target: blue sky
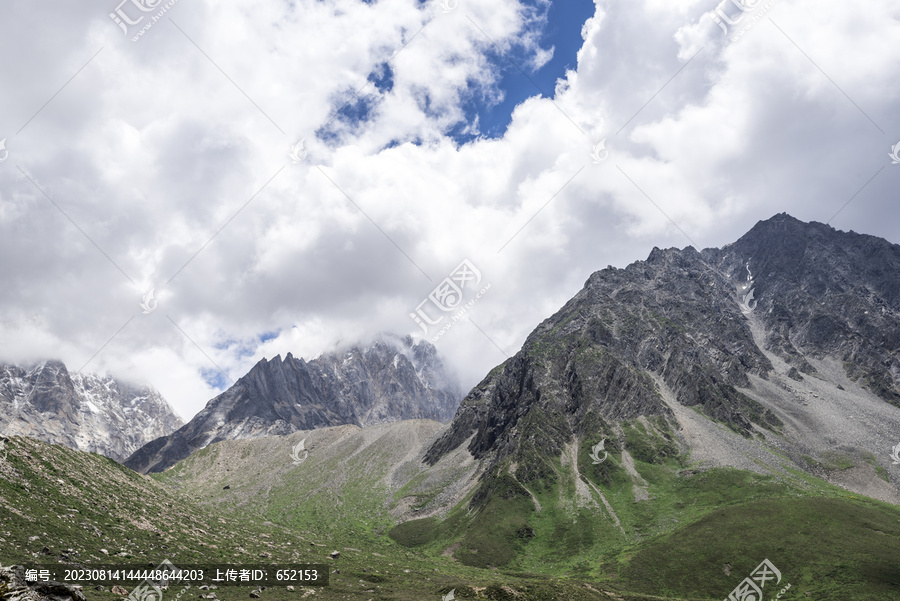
(562,32)
(518,81)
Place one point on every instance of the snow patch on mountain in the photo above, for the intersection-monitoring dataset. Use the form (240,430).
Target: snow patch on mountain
(88,412)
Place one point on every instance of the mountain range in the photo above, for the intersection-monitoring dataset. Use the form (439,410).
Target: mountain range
(89,412)
(674,424)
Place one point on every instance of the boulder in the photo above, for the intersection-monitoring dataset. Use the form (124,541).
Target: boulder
(13,587)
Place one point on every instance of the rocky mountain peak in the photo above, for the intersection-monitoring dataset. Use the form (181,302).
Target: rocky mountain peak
(387,379)
(699,329)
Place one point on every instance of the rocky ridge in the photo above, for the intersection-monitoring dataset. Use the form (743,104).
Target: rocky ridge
(388,380)
(819,292)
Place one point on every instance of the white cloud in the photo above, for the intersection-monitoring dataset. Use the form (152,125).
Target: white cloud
(152,149)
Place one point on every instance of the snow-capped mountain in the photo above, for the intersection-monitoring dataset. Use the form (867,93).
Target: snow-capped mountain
(88,412)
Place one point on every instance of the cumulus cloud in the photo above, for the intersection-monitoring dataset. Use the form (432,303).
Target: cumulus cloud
(164,164)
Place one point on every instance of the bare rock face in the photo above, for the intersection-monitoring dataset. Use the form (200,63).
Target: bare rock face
(13,587)
(88,412)
(821,292)
(388,380)
(705,326)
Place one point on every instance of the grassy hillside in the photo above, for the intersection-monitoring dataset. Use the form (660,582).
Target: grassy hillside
(644,521)
(642,524)
(569,521)
(75,504)
(829,548)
